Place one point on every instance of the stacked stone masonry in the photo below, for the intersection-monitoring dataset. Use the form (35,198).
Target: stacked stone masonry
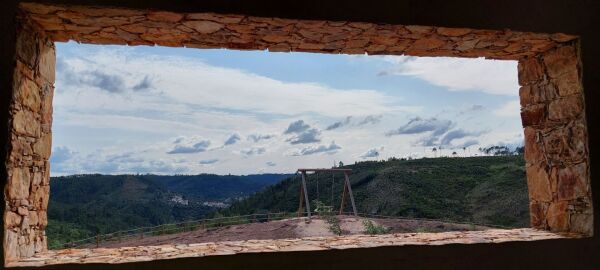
(27,189)
(209,30)
(173,251)
(556,149)
(549,74)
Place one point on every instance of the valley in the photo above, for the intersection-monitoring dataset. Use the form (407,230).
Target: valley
(489,191)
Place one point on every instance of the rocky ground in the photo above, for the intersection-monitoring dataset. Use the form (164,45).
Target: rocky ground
(288,228)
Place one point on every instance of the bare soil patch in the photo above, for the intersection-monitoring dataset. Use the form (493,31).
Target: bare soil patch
(288,228)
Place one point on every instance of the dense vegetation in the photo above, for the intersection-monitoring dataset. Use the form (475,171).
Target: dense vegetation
(84,205)
(490,190)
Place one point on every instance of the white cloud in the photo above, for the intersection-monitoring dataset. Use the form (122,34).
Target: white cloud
(138,123)
(192,82)
(234,138)
(253,151)
(367,120)
(372,153)
(419,125)
(208,161)
(128,125)
(460,74)
(311,150)
(114,161)
(259,137)
(509,109)
(183,145)
(339,124)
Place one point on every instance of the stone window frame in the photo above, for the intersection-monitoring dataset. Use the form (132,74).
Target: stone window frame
(549,67)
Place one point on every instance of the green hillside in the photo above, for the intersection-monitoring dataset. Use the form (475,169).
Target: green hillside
(490,190)
(216,187)
(83,205)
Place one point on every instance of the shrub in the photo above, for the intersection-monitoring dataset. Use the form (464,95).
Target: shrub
(334,225)
(372,228)
(326,212)
(422,230)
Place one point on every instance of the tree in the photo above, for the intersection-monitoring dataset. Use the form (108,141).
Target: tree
(496,150)
(454,154)
(341,164)
(434,152)
(520,150)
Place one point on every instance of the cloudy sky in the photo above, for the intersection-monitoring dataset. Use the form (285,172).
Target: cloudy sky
(162,110)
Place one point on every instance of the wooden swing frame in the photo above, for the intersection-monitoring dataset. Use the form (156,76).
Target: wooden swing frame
(304,191)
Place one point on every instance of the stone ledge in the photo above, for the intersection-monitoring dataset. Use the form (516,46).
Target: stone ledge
(162,252)
(103,25)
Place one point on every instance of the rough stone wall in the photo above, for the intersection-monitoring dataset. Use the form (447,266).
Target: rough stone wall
(27,189)
(174,251)
(101,25)
(549,73)
(556,149)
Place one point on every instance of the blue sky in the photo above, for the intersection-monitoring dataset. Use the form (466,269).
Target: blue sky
(161,110)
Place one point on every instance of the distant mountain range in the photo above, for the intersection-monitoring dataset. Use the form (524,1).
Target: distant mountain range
(83,205)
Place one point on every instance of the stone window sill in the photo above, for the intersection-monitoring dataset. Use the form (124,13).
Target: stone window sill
(162,252)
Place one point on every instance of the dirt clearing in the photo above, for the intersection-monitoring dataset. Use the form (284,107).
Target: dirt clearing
(288,228)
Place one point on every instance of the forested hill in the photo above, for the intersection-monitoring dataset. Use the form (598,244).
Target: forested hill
(491,190)
(216,187)
(83,205)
